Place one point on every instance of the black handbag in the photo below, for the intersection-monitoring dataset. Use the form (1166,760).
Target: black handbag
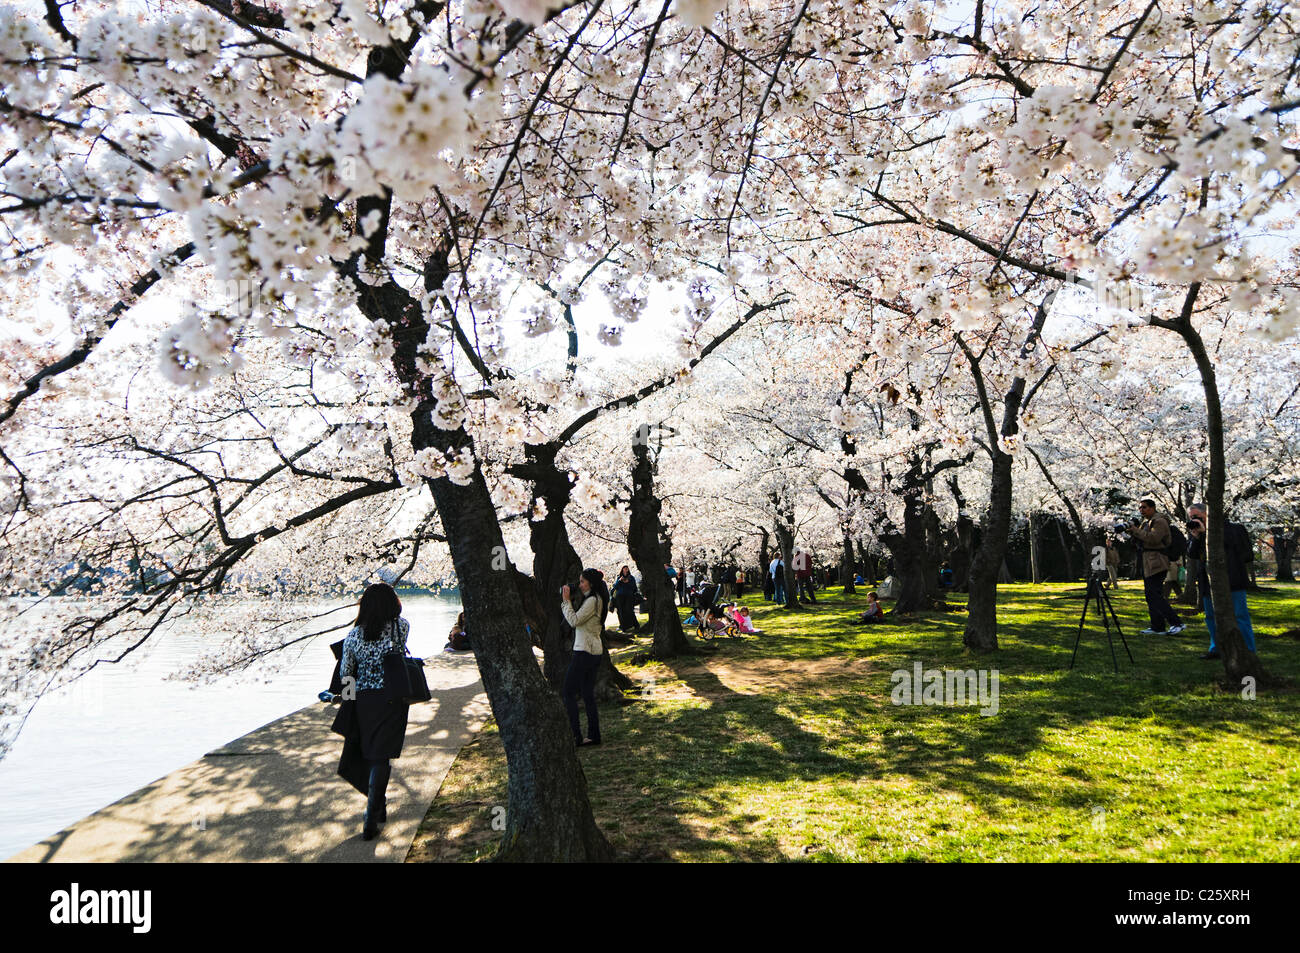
(404,681)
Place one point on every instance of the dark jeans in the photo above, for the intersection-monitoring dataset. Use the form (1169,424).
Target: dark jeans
(806,588)
(581,677)
(1162,613)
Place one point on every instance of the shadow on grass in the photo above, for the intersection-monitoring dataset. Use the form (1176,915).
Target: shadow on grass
(698,762)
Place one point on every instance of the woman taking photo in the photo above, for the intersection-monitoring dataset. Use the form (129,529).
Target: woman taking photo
(625,599)
(587,622)
(379,629)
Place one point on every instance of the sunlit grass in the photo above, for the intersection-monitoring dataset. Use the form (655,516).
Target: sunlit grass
(788,745)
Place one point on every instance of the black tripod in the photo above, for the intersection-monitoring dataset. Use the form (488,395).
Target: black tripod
(1096,593)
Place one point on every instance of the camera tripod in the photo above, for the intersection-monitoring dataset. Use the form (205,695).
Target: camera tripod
(1096,594)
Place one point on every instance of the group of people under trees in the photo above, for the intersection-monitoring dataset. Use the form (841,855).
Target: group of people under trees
(1163,546)
(374,726)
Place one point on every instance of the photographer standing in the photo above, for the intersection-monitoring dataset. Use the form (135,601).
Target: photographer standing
(1152,531)
(588,649)
(1235,538)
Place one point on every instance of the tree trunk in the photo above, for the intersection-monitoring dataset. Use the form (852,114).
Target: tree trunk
(990,556)
(846,566)
(1068,551)
(643,542)
(556,563)
(1035,567)
(981,621)
(1238,661)
(1284,547)
(916,575)
(965,531)
(548,817)
(868,563)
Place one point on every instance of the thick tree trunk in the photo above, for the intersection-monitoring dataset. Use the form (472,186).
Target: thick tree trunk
(909,573)
(934,545)
(555,562)
(914,571)
(982,621)
(1284,547)
(989,561)
(1238,661)
(548,817)
(643,541)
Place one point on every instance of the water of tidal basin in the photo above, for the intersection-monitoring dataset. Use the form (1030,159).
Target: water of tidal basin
(79,751)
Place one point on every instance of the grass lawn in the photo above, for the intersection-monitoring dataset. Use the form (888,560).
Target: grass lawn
(787,746)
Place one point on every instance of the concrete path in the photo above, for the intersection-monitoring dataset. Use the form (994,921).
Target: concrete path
(273,795)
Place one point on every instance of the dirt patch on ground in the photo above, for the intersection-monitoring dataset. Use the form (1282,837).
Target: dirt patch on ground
(465,820)
(714,678)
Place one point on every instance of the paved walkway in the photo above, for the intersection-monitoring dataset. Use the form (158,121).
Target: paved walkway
(273,795)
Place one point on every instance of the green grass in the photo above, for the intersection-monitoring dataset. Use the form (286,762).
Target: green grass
(787,746)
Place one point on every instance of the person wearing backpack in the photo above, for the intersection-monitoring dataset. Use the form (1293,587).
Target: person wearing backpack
(1153,532)
(1236,544)
(1177,552)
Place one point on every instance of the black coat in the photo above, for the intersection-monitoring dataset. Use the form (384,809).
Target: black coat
(1236,545)
(372,729)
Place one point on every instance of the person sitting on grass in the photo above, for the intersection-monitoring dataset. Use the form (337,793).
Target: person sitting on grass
(874,612)
(740,616)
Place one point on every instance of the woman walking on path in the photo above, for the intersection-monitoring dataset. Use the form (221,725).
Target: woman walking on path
(379,629)
(587,622)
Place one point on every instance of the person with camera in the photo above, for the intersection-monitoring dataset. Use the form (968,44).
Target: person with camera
(1152,531)
(587,621)
(1235,542)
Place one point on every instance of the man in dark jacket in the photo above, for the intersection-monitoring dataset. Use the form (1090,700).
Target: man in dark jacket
(1236,544)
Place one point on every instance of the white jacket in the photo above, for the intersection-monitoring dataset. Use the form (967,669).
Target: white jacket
(587,624)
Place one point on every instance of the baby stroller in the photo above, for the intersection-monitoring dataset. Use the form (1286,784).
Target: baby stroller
(719,626)
(706,595)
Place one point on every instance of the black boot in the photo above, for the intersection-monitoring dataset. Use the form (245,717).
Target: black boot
(376,803)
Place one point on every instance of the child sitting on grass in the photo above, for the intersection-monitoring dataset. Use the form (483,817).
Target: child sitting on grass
(874,611)
(740,616)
